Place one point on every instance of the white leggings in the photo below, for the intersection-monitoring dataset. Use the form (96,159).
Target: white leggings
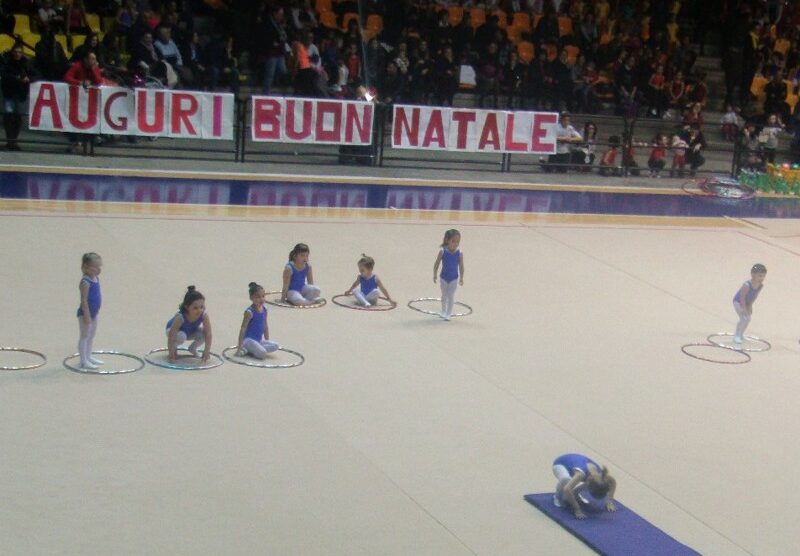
(744,318)
(87,332)
(305,297)
(198,338)
(562,475)
(370,299)
(448,296)
(257,349)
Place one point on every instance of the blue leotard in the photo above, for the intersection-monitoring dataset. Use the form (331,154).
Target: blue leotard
(94,299)
(187,327)
(575,462)
(368,284)
(257,325)
(299,277)
(450,264)
(752,294)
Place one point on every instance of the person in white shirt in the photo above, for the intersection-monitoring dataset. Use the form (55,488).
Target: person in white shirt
(567,140)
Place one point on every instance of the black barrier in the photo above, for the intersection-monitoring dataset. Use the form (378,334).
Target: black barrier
(637,135)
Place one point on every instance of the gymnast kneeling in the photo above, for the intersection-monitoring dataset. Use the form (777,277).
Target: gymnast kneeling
(583,485)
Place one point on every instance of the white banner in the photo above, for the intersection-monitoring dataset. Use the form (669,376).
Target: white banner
(311,120)
(465,130)
(119,111)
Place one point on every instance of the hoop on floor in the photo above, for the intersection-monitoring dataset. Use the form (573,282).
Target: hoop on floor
(720,187)
(214,362)
(373,307)
(276,302)
(260,363)
(413,302)
(740,358)
(23,367)
(752,344)
(101,371)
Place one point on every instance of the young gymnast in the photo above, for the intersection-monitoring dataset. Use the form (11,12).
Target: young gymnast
(91,299)
(254,333)
(367,287)
(298,278)
(452,261)
(745,297)
(191,322)
(579,478)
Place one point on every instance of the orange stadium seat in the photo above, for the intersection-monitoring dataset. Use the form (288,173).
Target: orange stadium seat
(328,19)
(454,14)
(521,21)
(514,34)
(564,26)
(375,23)
(323,6)
(525,51)
(22,24)
(572,53)
(502,18)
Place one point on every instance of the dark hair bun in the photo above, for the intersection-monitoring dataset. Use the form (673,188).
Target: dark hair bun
(252,285)
(190,289)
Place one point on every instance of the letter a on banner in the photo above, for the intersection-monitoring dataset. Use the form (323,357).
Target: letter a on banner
(46,101)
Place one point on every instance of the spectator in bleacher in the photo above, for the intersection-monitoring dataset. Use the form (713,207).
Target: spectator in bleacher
(514,76)
(144,58)
(194,59)
(168,52)
(447,77)
(49,16)
(488,75)
(697,144)
(657,160)
(83,73)
(308,80)
(585,154)
(276,47)
(15,78)
(422,74)
(50,61)
(92,42)
(567,139)
(768,137)
(76,19)
(353,62)
(587,31)
(656,84)
(109,52)
(676,95)
(775,92)
(484,34)
(222,67)
(126,17)
(546,30)
(462,36)
(303,16)
(392,86)
(751,148)
(583,88)
(562,84)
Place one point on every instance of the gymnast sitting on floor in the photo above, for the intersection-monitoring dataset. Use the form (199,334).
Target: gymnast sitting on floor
(583,484)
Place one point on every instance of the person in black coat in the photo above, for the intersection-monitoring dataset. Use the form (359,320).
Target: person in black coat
(15,81)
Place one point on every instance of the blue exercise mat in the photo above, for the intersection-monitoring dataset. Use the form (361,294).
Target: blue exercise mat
(620,533)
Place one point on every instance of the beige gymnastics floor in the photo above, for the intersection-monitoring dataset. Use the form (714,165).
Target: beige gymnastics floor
(401,434)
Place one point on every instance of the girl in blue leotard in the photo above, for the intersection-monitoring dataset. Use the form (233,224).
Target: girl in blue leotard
(91,299)
(368,287)
(745,297)
(254,333)
(452,261)
(298,278)
(191,322)
(577,473)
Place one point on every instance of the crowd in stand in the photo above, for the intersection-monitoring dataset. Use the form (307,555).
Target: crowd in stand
(628,57)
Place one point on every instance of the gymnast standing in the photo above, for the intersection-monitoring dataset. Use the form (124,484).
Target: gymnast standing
(745,297)
(254,333)
(579,476)
(298,278)
(452,261)
(91,299)
(191,322)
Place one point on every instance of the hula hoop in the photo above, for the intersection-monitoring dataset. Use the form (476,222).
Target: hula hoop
(373,308)
(100,371)
(217,361)
(722,188)
(738,347)
(23,367)
(739,353)
(468,309)
(244,360)
(278,303)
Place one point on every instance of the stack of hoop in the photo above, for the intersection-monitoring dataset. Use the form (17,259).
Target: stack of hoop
(724,341)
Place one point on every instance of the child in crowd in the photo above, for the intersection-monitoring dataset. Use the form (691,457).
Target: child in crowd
(658,155)
(745,297)
(367,287)
(608,162)
(254,333)
(579,476)
(191,322)
(730,123)
(91,299)
(769,137)
(679,146)
(298,278)
(452,261)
